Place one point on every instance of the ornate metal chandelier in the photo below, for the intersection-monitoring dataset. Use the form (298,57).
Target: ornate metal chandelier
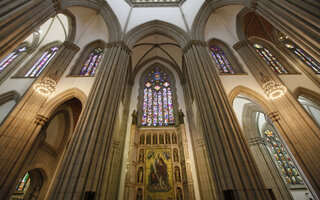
(272,89)
(46,87)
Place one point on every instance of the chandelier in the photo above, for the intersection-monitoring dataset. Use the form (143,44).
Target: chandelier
(272,89)
(46,87)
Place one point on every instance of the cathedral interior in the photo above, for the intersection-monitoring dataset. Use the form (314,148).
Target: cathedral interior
(159,99)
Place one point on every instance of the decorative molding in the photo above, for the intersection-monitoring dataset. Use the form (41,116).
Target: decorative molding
(274,116)
(155,4)
(121,44)
(241,44)
(70,45)
(256,140)
(48,148)
(194,43)
(57,5)
(41,120)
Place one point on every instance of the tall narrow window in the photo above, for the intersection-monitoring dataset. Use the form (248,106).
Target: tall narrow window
(23,183)
(11,57)
(157,108)
(282,158)
(308,60)
(42,62)
(270,59)
(92,62)
(221,60)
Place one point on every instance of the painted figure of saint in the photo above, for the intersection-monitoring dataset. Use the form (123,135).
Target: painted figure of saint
(175,155)
(158,177)
(141,156)
(140,175)
(177,174)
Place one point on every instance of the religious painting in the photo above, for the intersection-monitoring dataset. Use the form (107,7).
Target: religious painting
(159,183)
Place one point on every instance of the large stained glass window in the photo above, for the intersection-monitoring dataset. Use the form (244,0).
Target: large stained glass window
(92,62)
(270,59)
(11,57)
(308,60)
(23,183)
(221,60)
(157,108)
(282,158)
(42,62)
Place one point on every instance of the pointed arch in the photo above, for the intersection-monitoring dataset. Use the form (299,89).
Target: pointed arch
(253,95)
(199,23)
(159,27)
(58,100)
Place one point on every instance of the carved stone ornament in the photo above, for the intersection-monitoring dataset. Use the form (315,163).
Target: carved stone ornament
(41,120)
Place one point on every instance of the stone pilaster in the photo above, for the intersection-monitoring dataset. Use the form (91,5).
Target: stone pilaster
(85,167)
(18,19)
(294,20)
(233,168)
(296,127)
(19,130)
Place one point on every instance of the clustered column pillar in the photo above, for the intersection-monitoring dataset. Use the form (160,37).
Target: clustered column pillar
(84,170)
(234,170)
(21,127)
(298,130)
(293,20)
(18,25)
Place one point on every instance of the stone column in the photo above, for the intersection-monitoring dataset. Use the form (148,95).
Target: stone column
(85,168)
(188,184)
(294,20)
(235,173)
(130,182)
(296,127)
(18,19)
(21,127)
(258,145)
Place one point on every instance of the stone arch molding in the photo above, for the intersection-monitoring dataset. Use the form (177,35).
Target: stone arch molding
(199,23)
(109,17)
(56,101)
(159,27)
(253,95)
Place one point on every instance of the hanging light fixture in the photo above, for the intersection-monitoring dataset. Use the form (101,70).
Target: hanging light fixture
(46,87)
(272,89)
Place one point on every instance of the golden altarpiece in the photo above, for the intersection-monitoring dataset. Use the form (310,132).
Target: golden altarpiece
(158,165)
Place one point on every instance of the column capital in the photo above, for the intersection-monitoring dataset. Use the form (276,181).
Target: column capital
(41,120)
(121,44)
(194,43)
(256,140)
(274,116)
(70,45)
(241,44)
(57,5)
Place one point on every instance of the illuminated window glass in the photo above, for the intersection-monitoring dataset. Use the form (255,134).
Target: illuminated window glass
(284,162)
(42,62)
(10,58)
(270,59)
(92,62)
(308,60)
(221,60)
(157,108)
(23,183)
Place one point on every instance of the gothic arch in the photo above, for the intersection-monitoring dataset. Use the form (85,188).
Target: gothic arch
(76,68)
(111,20)
(7,96)
(256,97)
(159,27)
(155,58)
(199,23)
(237,67)
(58,100)
(301,91)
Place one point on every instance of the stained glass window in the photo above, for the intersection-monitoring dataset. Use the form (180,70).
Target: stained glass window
(42,62)
(308,60)
(11,57)
(157,108)
(92,62)
(282,158)
(221,60)
(23,183)
(275,65)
